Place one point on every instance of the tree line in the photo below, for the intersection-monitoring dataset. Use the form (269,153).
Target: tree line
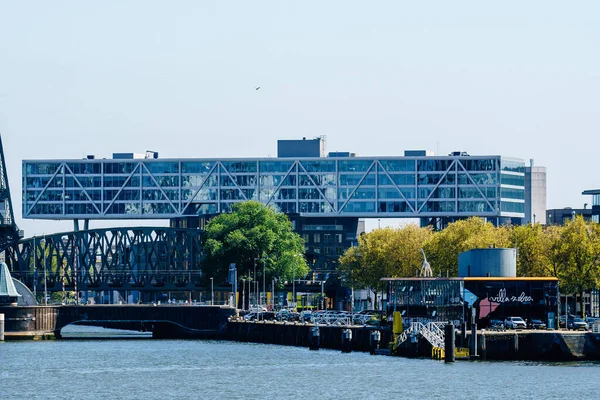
(570,252)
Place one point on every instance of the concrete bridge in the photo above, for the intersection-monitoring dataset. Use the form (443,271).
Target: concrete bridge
(164,321)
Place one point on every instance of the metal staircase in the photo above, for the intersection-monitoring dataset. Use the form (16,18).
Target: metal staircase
(433,332)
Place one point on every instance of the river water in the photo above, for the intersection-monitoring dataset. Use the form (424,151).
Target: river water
(142,368)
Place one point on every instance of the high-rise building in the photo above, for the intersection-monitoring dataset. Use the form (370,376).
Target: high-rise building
(535,195)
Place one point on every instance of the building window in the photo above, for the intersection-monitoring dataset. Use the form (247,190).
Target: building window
(317,238)
(338,238)
(305,237)
(327,251)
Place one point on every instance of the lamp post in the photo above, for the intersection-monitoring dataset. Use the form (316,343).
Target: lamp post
(322,296)
(254,280)
(34,270)
(264,286)
(294,278)
(212,292)
(273,294)
(294,281)
(243,294)
(45,280)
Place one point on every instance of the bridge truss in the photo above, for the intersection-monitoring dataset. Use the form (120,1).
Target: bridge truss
(145,259)
(9,232)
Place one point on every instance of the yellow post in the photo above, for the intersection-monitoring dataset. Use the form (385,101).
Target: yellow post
(397,326)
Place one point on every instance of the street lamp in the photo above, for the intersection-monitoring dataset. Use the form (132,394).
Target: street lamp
(322,297)
(254,288)
(34,270)
(273,294)
(243,294)
(212,293)
(294,279)
(45,280)
(264,286)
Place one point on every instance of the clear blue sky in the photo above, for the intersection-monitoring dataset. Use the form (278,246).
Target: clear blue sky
(515,78)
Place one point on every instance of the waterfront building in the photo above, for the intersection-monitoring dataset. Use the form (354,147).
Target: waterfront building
(489,298)
(486,287)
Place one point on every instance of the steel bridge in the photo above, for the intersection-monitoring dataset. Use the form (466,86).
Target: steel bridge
(144,259)
(9,232)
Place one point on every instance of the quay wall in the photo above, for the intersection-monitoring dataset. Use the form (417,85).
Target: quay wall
(168,321)
(539,345)
(298,334)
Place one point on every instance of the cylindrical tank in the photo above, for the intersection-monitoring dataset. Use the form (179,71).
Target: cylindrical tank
(488,263)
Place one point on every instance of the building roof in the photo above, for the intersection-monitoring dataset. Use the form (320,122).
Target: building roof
(7,287)
(591,191)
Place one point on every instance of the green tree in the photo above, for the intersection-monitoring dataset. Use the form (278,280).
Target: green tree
(556,253)
(532,246)
(253,235)
(383,253)
(473,233)
(405,250)
(581,246)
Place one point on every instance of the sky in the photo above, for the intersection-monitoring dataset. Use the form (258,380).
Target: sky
(512,78)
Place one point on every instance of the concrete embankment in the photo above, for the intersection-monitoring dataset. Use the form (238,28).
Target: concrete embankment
(299,334)
(538,345)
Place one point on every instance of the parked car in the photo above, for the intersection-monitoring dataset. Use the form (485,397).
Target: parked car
(496,325)
(258,309)
(578,324)
(537,324)
(514,323)
(305,316)
(286,315)
(250,317)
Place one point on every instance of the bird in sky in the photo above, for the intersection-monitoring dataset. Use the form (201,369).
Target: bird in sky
(256,88)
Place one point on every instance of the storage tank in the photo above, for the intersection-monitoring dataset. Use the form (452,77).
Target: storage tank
(488,263)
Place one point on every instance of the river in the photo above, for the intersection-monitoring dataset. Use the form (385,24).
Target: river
(122,368)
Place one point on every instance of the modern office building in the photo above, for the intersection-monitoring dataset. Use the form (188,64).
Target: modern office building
(325,196)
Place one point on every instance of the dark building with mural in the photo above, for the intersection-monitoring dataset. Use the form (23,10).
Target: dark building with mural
(454,299)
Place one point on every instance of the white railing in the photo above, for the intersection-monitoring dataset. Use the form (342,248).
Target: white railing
(331,319)
(432,332)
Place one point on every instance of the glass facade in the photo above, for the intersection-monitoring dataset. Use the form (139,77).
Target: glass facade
(453,186)
(512,187)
